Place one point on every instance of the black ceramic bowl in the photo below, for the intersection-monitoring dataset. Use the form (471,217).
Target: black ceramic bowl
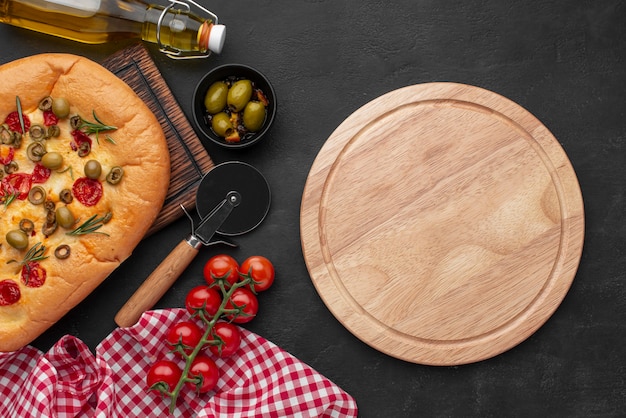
(222,73)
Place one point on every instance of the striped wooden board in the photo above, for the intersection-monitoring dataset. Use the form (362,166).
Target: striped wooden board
(189,158)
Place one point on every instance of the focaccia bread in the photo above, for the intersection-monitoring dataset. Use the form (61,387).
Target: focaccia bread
(79,187)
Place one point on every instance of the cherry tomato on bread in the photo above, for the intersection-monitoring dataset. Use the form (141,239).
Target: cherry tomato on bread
(221,267)
(261,270)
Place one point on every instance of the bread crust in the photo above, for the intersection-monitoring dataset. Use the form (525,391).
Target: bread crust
(139,147)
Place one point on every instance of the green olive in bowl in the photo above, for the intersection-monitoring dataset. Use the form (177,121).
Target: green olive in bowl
(221,124)
(215,99)
(239,95)
(254,116)
(245,84)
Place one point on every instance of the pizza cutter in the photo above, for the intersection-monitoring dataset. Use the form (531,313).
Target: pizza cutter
(233,198)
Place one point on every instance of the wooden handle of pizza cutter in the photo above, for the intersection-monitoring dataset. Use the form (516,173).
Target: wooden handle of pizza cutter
(155,286)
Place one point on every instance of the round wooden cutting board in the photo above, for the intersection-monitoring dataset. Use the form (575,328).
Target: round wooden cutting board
(442,224)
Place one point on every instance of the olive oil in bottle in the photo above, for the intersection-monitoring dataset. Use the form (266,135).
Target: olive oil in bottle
(179,32)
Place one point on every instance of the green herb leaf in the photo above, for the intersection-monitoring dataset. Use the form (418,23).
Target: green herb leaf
(91,226)
(69,168)
(35,253)
(20,114)
(95,127)
(8,199)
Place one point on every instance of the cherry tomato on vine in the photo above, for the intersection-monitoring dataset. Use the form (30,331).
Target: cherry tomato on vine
(230,336)
(261,270)
(222,267)
(163,376)
(246,300)
(206,371)
(186,333)
(203,298)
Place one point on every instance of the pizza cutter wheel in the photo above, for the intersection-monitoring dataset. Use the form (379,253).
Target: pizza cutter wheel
(233,198)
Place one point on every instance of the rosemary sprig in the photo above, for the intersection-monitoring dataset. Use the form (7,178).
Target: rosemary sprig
(8,199)
(68,168)
(35,253)
(20,114)
(96,127)
(91,226)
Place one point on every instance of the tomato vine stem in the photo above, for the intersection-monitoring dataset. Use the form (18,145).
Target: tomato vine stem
(204,341)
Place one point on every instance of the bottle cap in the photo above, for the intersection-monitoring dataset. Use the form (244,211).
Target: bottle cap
(217,36)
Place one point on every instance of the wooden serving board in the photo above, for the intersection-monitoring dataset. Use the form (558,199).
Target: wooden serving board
(442,224)
(189,159)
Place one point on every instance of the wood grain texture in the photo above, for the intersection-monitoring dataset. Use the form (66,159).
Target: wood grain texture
(155,286)
(442,223)
(189,159)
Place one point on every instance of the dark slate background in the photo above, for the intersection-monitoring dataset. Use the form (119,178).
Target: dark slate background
(564,61)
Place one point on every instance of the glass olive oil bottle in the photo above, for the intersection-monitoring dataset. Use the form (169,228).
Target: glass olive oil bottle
(179,32)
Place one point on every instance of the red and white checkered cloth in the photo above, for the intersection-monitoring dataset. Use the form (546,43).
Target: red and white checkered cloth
(260,380)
